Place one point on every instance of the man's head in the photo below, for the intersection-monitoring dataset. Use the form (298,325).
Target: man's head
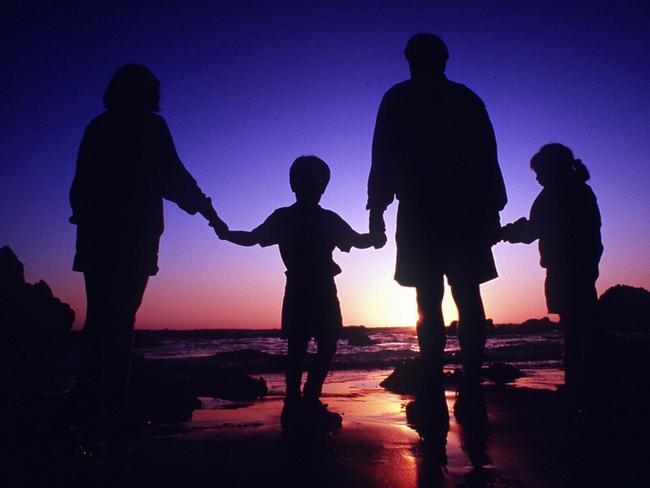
(309,176)
(133,87)
(427,55)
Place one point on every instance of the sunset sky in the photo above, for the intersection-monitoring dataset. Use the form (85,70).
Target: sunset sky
(249,86)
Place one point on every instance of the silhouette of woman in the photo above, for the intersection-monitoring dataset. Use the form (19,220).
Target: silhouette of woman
(127,164)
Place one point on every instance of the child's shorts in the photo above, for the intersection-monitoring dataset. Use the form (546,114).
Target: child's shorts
(311,309)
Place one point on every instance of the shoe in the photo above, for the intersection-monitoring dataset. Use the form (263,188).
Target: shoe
(317,414)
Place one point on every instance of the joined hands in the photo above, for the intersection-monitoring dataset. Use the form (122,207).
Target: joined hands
(377,229)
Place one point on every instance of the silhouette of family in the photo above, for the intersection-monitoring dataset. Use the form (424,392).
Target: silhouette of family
(433,149)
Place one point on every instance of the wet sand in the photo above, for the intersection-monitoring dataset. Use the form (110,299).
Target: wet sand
(529,444)
(227,444)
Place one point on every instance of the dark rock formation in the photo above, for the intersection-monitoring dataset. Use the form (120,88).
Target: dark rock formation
(625,308)
(228,385)
(502,373)
(404,379)
(34,329)
(250,360)
(357,335)
(159,394)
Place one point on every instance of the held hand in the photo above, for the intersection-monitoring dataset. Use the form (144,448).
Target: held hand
(376,222)
(377,229)
(379,240)
(509,231)
(494,229)
(219,226)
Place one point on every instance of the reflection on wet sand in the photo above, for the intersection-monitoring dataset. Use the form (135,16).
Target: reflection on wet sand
(370,414)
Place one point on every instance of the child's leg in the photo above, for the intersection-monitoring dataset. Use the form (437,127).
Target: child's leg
(296,349)
(320,367)
(573,361)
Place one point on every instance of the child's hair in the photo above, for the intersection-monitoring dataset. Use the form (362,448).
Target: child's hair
(309,173)
(557,159)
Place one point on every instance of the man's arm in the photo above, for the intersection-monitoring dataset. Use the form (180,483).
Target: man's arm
(483,151)
(521,230)
(363,241)
(381,189)
(239,237)
(377,228)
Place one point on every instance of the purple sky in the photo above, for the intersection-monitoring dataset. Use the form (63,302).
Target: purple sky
(246,88)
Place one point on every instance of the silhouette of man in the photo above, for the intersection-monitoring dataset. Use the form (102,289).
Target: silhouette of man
(127,164)
(434,150)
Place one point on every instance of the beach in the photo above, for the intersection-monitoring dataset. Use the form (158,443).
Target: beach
(529,443)
(532,440)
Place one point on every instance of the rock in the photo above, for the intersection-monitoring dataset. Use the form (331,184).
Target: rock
(502,373)
(229,385)
(404,379)
(357,336)
(625,308)
(35,332)
(248,360)
(159,394)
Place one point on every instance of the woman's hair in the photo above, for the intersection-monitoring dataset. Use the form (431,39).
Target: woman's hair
(557,160)
(133,87)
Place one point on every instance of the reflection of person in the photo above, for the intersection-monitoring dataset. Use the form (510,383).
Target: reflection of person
(434,150)
(127,164)
(306,235)
(566,220)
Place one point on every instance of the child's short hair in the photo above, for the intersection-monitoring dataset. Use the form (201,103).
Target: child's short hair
(556,158)
(309,172)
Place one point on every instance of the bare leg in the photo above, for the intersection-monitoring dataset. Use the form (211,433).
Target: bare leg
(113,298)
(296,349)
(320,368)
(431,337)
(471,330)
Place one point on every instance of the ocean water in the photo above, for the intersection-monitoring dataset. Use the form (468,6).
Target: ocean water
(537,355)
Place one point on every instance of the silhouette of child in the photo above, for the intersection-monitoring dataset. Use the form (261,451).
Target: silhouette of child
(306,235)
(566,220)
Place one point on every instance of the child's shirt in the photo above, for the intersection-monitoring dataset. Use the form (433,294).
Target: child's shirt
(307,236)
(566,220)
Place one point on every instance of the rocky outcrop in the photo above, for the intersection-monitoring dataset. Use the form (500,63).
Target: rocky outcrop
(34,328)
(357,335)
(404,379)
(625,308)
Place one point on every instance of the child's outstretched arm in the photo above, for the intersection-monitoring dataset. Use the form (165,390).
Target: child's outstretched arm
(521,230)
(363,241)
(240,237)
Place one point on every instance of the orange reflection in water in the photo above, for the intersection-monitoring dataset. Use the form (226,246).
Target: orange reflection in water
(373,419)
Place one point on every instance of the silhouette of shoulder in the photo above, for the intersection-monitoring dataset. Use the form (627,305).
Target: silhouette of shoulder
(455,90)
(297,223)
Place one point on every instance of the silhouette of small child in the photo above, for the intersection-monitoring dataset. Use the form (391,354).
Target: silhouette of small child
(566,220)
(306,235)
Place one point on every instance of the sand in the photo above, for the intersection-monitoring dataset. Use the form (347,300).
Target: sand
(531,442)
